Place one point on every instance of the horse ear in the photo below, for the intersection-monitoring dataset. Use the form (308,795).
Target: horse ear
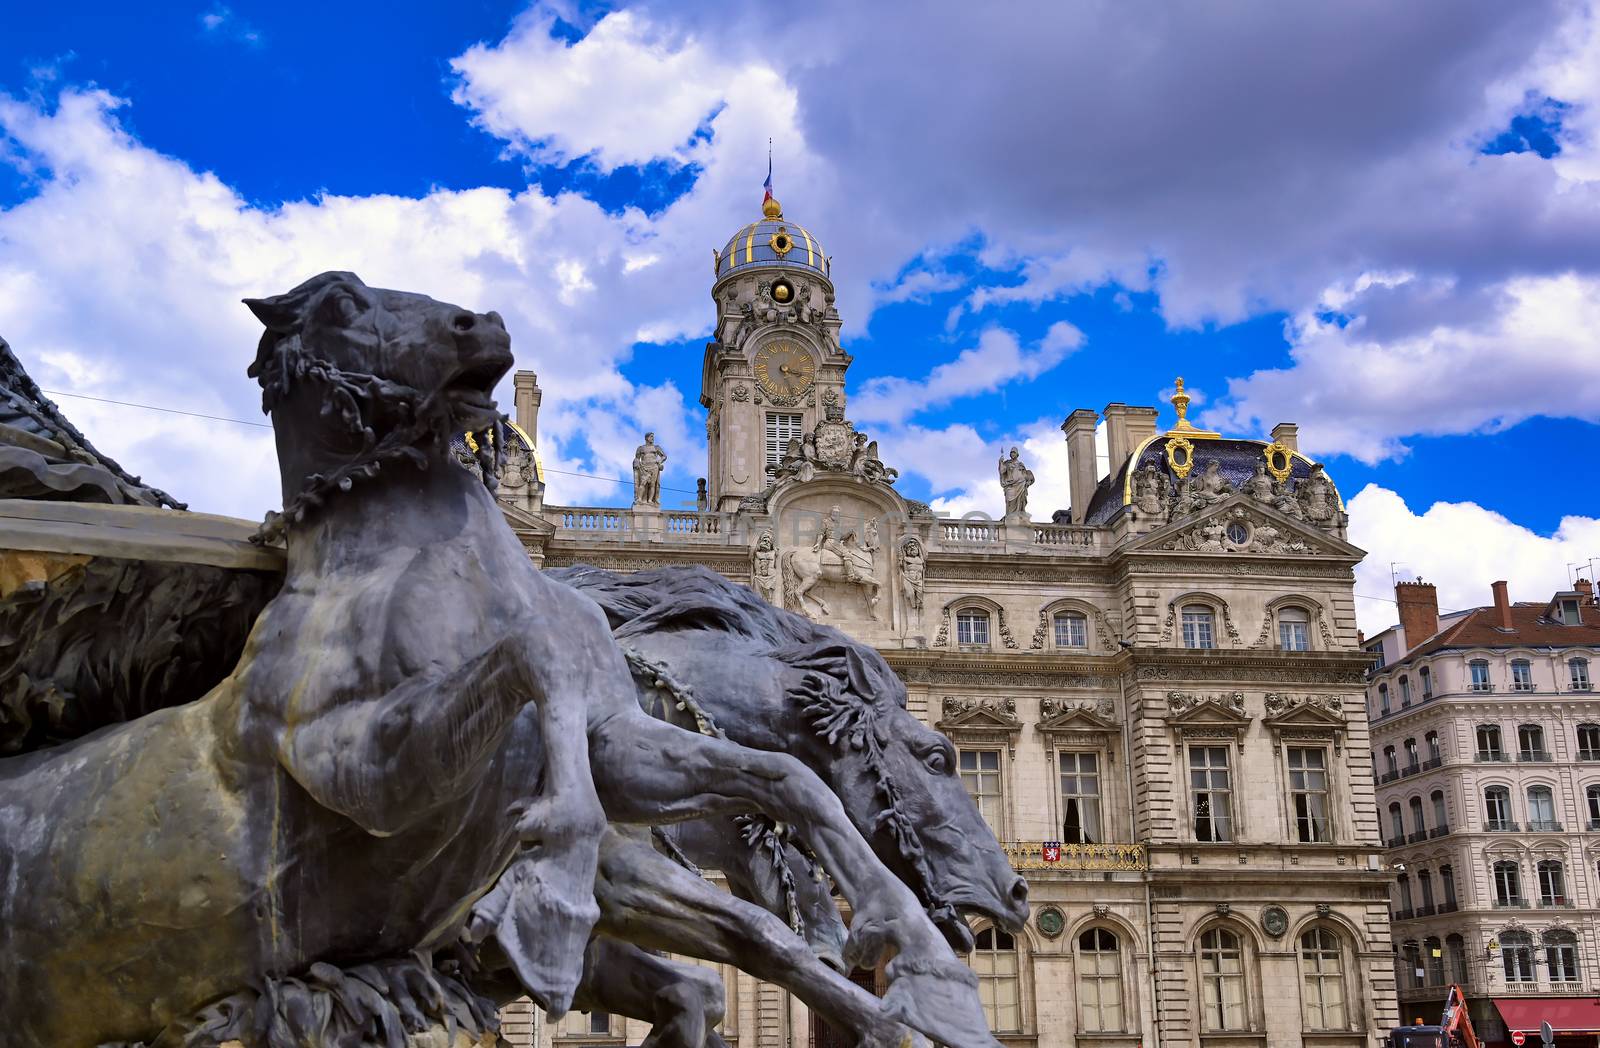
(285,313)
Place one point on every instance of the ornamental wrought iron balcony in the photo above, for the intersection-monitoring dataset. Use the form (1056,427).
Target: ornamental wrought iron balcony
(1538,756)
(1522,685)
(1449,906)
(1416,835)
(1389,776)
(1491,756)
(1589,755)
(1594,824)
(1554,902)
(1500,826)
(1404,915)
(1512,903)
(1031,855)
(1439,831)
(1393,842)
(1480,686)
(1432,763)
(1581,685)
(1544,826)
(1410,769)
(1427,910)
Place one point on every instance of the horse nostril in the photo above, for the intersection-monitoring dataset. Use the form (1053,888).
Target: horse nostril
(464,321)
(1019,892)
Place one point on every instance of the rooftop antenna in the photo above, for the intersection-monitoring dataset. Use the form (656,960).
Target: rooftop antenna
(1392,578)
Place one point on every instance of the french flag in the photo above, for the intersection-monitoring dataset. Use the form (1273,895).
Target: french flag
(767,185)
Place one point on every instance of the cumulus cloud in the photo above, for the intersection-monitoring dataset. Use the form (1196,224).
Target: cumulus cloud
(1461,548)
(998,359)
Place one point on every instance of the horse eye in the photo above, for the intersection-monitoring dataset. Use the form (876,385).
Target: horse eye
(936,762)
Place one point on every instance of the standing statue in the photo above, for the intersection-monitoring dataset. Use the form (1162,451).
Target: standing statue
(764,570)
(702,499)
(1316,498)
(648,460)
(913,573)
(376,782)
(1150,490)
(1015,480)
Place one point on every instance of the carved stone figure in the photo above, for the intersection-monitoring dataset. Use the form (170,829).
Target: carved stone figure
(279,842)
(1260,486)
(764,569)
(1015,480)
(1213,487)
(913,572)
(1315,494)
(869,535)
(834,556)
(1150,490)
(1185,498)
(702,500)
(1287,500)
(648,460)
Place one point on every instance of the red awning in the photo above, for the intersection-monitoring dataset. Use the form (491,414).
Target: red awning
(1564,1014)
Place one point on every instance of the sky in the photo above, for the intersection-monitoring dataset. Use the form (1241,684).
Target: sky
(1378,221)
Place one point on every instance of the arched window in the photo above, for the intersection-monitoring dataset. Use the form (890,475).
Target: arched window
(1441,820)
(1322,969)
(1542,810)
(1552,882)
(1561,956)
(1589,742)
(1294,633)
(1489,743)
(1427,683)
(1521,675)
(1100,981)
(994,958)
(1425,882)
(1455,951)
(1507,884)
(1071,629)
(1383,699)
(1391,763)
(1530,743)
(1413,761)
(1478,670)
(1222,998)
(972,627)
(1592,795)
(1397,823)
(1447,881)
(1497,809)
(1431,740)
(1405,691)
(1433,960)
(1417,825)
(1516,954)
(1199,626)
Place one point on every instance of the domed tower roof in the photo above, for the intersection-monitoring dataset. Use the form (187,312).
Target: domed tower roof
(772,241)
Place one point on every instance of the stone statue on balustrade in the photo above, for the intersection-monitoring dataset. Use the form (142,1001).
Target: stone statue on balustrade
(275,863)
(1015,480)
(648,462)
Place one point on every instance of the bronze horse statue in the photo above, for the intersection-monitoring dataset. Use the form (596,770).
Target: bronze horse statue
(417,752)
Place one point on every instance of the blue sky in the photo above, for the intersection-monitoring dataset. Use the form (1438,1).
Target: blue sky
(1379,224)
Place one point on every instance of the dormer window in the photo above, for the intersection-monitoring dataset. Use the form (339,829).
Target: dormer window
(1569,613)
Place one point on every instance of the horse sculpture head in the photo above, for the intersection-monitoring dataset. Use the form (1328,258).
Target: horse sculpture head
(366,377)
(771,679)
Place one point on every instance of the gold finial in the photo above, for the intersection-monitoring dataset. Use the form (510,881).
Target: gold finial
(770,208)
(1180,402)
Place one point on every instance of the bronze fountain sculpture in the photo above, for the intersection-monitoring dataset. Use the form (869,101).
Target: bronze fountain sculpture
(425,786)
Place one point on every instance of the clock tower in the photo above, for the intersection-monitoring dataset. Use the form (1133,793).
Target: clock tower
(774,367)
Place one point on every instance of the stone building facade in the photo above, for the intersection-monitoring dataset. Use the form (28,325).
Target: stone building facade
(1486,740)
(1156,694)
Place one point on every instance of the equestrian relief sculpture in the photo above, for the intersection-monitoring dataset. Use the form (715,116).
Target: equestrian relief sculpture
(427,786)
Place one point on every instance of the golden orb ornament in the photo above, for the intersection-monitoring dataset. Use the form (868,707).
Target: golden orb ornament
(771,208)
(781,293)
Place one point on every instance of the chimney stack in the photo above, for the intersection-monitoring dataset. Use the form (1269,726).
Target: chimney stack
(1419,610)
(1082,471)
(1287,434)
(528,394)
(1586,589)
(1502,605)
(1116,416)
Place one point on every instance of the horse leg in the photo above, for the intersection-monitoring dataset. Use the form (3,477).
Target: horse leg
(682,1002)
(656,903)
(647,771)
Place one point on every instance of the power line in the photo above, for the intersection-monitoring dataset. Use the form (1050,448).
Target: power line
(268,425)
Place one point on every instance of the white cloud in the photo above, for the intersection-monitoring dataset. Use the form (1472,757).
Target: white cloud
(1461,548)
(222,22)
(962,468)
(997,359)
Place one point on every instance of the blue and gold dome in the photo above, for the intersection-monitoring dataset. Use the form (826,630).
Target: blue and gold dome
(773,241)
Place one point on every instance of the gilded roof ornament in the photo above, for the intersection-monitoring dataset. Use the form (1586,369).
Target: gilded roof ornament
(1183,427)
(770,208)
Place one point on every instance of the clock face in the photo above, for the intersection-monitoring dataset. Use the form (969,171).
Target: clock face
(784,369)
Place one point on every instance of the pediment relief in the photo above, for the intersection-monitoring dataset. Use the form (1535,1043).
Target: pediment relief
(1195,714)
(1284,710)
(997,716)
(1065,717)
(1239,524)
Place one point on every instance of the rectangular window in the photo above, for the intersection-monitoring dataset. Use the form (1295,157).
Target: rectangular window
(1211,793)
(980,774)
(1521,675)
(1080,798)
(972,627)
(779,429)
(1578,674)
(586,1025)
(1570,615)
(1072,631)
(1405,692)
(1197,631)
(1480,675)
(1427,683)
(1589,742)
(1308,789)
